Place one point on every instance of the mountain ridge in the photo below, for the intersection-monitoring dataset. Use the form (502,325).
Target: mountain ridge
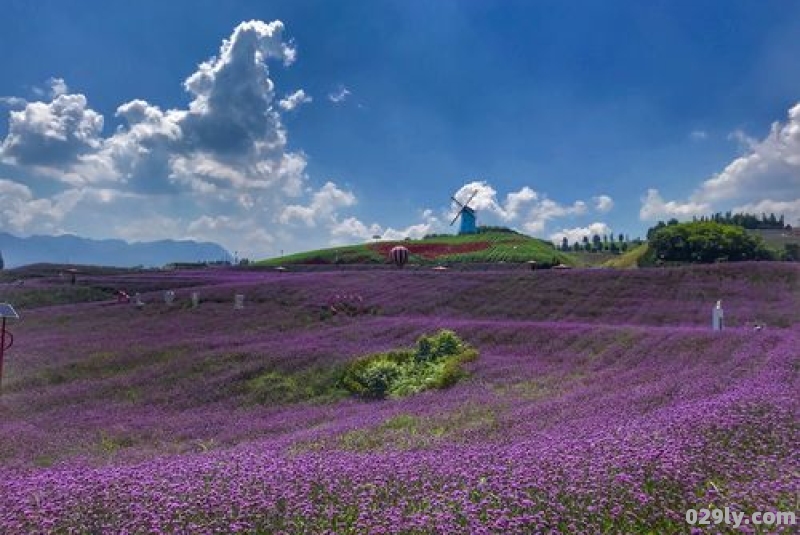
(70,248)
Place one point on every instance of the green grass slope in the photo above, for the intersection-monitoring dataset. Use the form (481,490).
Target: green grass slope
(628,260)
(490,246)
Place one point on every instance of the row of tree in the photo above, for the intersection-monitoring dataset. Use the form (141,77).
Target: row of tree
(744,220)
(595,244)
(748,221)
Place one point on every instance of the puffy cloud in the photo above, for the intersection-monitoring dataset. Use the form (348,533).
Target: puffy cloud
(151,227)
(23,212)
(340,95)
(485,199)
(15,204)
(353,228)
(527,207)
(323,205)
(226,151)
(769,169)
(767,173)
(250,235)
(603,203)
(230,136)
(547,209)
(577,234)
(413,231)
(141,152)
(479,195)
(217,169)
(515,201)
(290,102)
(232,110)
(654,207)
(52,134)
(58,87)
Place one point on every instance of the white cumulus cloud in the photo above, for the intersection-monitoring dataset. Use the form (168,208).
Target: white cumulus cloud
(224,153)
(351,228)
(577,234)
(547,209)
(52,134)
(484,198)
(766,174)
(603,203)
(324,204)
(655,207)
(290,102)
(58,87)
(527,208)
(769,169)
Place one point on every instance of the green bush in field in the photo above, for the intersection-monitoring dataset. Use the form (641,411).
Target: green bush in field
(435,362)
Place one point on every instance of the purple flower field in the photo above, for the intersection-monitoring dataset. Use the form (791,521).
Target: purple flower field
(601,402)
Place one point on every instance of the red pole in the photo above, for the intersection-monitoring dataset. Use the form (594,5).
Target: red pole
(2,349)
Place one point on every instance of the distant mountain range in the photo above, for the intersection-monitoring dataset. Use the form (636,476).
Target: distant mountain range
(70,249)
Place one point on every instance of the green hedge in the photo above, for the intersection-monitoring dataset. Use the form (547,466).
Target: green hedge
(435,362)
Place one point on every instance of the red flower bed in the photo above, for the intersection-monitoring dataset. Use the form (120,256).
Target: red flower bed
(431,250)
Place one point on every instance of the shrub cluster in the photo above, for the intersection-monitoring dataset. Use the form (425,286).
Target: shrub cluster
(435,362)
(706,242)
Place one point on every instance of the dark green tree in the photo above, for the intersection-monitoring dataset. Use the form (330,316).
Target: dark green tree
(597,242)
(706,242)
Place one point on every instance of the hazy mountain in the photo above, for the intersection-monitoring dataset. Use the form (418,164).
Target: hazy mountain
(71,249)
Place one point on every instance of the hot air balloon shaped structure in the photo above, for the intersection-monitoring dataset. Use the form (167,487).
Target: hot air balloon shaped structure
(399,256)
(467,215)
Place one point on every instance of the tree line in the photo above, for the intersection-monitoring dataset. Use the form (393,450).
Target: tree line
(613,243)
(744,220)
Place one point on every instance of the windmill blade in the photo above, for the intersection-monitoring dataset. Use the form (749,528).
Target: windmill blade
(457,202)
(475,192)
(456,217)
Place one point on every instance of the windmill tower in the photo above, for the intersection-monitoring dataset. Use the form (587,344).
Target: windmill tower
(467,216)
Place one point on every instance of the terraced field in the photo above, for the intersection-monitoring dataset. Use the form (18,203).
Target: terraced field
(483,247)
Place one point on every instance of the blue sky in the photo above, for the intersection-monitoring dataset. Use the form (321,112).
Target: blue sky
(273,126)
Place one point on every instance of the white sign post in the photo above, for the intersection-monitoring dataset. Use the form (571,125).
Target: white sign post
(169,297)
(238,302)
(195,299)
(137,300)
(717,317)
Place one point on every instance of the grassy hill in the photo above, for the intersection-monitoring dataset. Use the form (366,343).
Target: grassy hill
(777,238)
(629,259)
(485,247)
